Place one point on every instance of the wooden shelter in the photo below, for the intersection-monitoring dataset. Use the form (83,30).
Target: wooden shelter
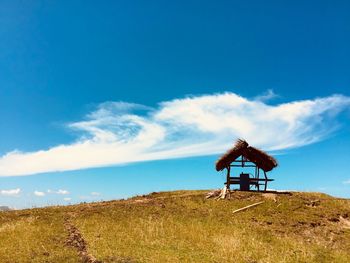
(245,156)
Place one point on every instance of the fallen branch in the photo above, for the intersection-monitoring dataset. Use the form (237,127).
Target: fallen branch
(219,193)
(246,207)
(214,193)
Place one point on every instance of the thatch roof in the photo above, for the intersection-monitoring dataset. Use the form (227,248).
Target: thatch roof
(241,147)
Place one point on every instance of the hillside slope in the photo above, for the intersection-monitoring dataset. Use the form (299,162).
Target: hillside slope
(182,226)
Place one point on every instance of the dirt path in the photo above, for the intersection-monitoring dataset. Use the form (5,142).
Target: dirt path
(76,240)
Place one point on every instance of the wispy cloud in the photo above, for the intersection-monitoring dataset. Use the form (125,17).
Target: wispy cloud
(266,96)
(59,192)
(95,194)
(67,199)
(346,182)
(38,193)
(10,192)
(120,133)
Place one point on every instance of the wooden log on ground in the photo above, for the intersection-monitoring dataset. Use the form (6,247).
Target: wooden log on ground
(246,207)
(214,193)
(219,193)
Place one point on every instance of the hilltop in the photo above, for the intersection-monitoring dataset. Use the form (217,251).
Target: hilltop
(182,226)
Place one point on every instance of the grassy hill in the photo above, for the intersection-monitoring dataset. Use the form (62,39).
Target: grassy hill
(182,226)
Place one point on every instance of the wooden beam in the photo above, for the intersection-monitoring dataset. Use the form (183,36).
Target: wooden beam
(246,207)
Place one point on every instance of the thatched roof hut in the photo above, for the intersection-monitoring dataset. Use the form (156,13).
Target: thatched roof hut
(241,147)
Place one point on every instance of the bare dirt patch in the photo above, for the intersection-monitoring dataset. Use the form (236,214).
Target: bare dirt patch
(76,240)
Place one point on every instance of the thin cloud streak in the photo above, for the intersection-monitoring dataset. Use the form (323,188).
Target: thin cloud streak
(120,133)
(11,192)
(59,192)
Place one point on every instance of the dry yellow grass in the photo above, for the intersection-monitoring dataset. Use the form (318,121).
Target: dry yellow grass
(35,235)
(183,226)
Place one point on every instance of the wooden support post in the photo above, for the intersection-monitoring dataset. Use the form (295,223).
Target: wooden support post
(228,177)
(258,177)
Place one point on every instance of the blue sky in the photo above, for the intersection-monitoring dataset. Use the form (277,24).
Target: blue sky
(80,80)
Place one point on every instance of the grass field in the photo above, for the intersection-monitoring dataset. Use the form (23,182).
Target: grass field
(182,226)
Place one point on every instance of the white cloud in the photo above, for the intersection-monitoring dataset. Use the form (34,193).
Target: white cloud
(38,193)
(266,96)
(11,192)
(59,192)
(95,194)
(346,182)
(62,192)
(67,199)
(120,133)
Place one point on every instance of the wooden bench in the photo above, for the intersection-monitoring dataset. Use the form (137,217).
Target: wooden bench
(245,182)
